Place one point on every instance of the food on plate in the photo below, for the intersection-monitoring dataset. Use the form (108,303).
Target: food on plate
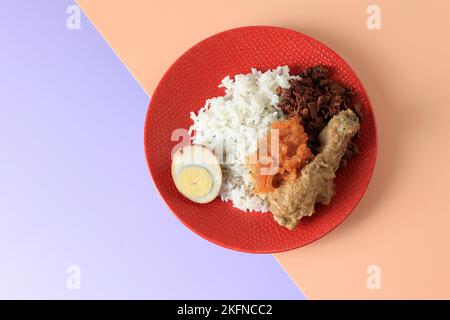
(230,125)
(293,154)
(197,173)
(316,98)
(273,142)
(296,199)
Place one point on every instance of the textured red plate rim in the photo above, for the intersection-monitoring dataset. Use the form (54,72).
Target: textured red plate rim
(240,249)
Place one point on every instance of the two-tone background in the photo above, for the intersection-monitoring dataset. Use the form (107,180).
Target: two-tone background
(81,218)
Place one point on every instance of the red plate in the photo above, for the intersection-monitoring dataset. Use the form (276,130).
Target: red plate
(193,78)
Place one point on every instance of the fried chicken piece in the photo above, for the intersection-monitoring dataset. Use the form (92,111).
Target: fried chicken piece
(295,200)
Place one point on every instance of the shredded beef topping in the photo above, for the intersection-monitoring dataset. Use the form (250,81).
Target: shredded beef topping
(315,99)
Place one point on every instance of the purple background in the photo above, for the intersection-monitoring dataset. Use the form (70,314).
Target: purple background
(74,183)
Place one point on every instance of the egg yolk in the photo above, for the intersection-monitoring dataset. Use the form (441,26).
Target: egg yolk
(194,181)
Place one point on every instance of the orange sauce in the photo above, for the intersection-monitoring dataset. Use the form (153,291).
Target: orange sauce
(293,152)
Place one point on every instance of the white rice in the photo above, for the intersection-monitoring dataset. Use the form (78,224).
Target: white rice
(233,122)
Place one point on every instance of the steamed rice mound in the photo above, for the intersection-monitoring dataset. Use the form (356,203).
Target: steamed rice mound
(233,123)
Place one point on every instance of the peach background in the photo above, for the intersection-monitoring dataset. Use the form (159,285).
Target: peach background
(402,224)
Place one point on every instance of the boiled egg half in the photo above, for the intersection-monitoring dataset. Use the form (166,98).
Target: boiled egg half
(197,173)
